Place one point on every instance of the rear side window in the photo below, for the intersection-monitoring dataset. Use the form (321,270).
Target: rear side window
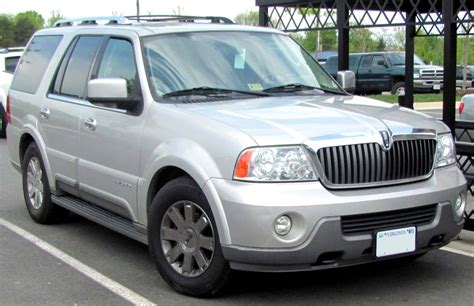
(79,66)
(10,63)
(34,62)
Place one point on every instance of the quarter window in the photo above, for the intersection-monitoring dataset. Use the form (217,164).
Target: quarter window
(10,63)
(34,62)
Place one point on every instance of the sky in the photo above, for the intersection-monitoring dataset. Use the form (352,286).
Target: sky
(88,8)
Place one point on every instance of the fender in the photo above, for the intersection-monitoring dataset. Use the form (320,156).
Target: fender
(191,158)
(33,132)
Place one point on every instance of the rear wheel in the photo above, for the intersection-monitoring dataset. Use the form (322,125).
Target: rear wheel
(36,189)
(183,240)
(3,125)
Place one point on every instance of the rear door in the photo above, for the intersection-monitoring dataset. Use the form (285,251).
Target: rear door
(109,148)
(61,109)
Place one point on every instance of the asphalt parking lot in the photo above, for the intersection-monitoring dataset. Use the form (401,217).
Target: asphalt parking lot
(79,262)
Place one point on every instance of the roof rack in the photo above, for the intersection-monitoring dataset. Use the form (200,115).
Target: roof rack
(179,18)
(12,49)
(91,21)
(111,20)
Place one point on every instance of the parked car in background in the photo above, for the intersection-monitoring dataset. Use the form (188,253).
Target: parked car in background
(378,72)
(466,108)
(322,56)
(469,83)
(9,58)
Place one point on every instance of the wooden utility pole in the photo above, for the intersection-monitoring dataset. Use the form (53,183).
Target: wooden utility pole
(138,10)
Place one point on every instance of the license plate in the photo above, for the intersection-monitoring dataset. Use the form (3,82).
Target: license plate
(436,87)
(396,241)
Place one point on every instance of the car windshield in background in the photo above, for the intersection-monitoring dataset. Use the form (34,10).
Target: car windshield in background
(236,61)
(398,59)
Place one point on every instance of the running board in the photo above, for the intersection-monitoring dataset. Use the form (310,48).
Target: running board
(100,216)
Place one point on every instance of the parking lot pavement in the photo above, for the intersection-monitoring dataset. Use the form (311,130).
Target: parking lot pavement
(33,275)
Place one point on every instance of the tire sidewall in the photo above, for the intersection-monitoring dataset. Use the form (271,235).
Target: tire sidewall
(3,125)
(215,276)
(396,86)
(40,215)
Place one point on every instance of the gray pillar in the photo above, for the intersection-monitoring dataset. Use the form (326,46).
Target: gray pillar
(409,62)
(449,86)
(263,16)
(343,35)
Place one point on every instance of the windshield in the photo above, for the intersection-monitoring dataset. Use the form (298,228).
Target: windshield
(241,61)
(398,59)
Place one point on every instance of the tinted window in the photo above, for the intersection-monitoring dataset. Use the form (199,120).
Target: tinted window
(34,63)
(10,63)
(332,62)
(366,61)
(79,66)
(378,61)
(118,62)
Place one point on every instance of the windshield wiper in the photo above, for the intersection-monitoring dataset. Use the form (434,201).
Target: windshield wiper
(205,90)
(290,88)
(301,87)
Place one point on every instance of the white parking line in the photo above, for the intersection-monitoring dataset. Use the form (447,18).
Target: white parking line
(101,279)
(460,252)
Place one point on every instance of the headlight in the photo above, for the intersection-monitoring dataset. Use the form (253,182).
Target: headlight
(280,164)
(416,76)
(445,151)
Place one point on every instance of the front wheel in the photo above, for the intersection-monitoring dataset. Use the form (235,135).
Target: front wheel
(36,189)
(398,88)
(183,240)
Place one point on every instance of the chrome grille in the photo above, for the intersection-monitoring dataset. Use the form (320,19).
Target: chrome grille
(368,223)
(431,74)
(369,164)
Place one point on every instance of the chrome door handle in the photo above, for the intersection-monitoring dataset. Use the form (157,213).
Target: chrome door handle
(90,124)
(44,112)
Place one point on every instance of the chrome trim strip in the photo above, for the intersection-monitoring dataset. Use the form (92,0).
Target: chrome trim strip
(86,103)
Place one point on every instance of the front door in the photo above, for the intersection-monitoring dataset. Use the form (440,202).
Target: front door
(110,137)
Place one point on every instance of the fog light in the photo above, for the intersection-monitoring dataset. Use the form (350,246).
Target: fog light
(283,225)
(460,205)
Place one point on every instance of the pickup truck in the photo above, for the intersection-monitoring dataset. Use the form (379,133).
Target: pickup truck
(377,72)
(9,58)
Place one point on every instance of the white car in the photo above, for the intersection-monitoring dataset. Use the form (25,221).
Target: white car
(466,108)
(9,59)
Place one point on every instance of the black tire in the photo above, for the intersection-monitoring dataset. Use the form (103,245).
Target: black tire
(3,126)
(396,87)
(217,272)
(46,212)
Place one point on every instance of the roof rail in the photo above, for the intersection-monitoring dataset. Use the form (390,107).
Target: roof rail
(12,49)
(179,18)
(91,21)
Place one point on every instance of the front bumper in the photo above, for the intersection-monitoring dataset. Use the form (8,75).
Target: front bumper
(316,240)
(427,85)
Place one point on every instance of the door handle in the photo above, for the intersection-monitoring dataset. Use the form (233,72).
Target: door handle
(45,112)
(90,123)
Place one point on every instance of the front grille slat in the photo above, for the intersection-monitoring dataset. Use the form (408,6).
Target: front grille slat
(369,223)
(370,163)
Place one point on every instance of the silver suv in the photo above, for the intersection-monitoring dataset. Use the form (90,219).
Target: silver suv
(224,147)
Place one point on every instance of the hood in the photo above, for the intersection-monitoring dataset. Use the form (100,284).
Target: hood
(317,119)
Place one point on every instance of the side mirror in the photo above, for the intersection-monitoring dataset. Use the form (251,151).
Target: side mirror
(347,80)
(113,91)
(381,63)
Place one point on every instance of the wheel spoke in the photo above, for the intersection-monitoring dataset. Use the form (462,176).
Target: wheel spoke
(188,263)
(200,259)
(30,177)
(169,234)
(176,217)
(189,214)
(174,253)
(206,243)
(37,198)
(31,190)
(201,224)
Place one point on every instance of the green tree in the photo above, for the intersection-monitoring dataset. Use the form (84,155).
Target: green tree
(6,31)
(250,18)
(381,44)
(361,40)
(26,24)
(55,16)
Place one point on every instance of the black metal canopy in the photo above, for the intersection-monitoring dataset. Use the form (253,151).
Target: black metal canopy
(447,18)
